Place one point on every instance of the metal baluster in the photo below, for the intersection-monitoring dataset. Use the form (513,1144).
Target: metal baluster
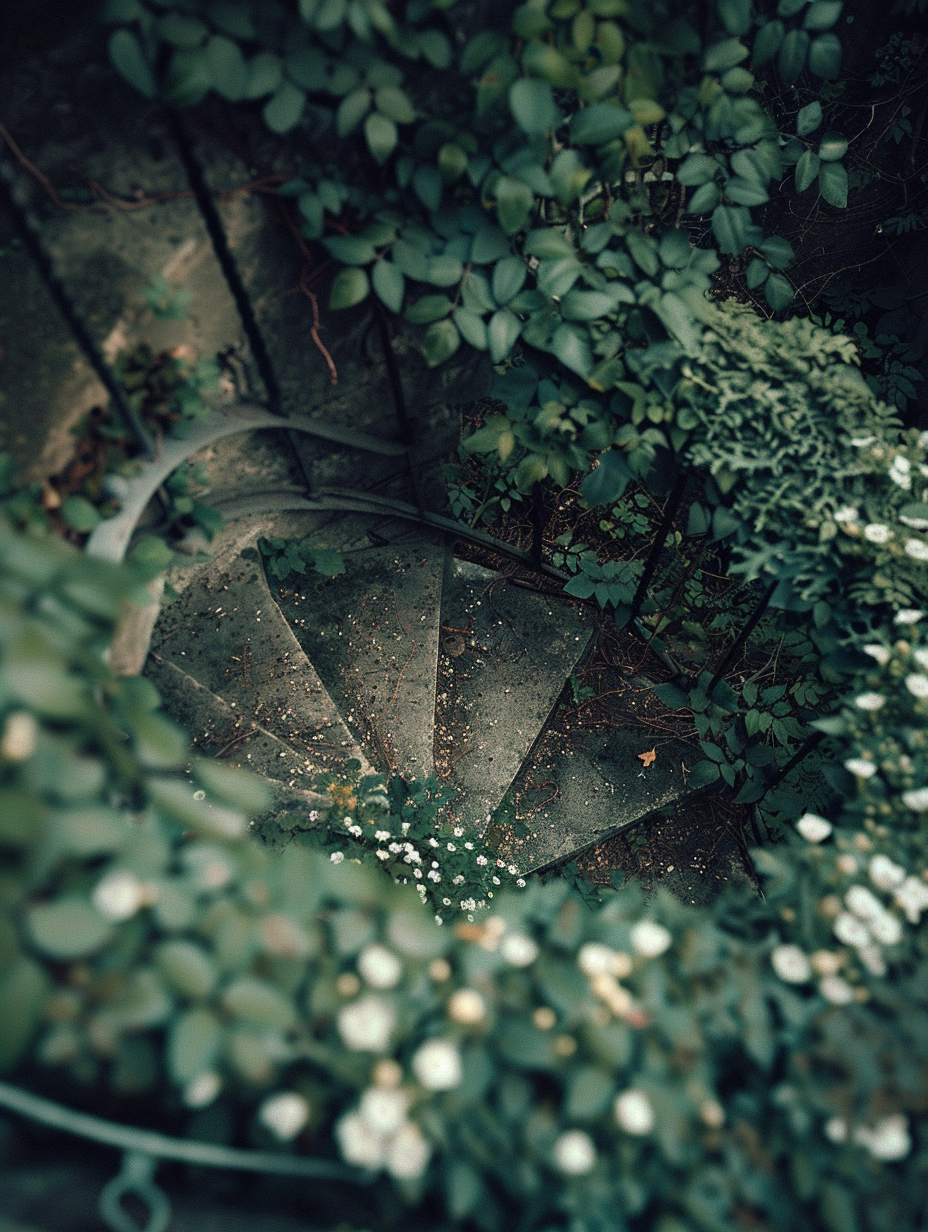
(650,568)
(735,649)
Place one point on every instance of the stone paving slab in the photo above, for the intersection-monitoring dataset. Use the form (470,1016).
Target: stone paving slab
(508,658)
(225,630)
(372,635)
(602,787)
(221,731)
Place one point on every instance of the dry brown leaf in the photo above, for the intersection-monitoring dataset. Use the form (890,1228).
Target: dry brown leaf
(647,758)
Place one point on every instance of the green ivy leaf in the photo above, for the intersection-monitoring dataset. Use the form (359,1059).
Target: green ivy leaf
(349,287)
(777,251)
(704,199)
(452,162)
(726,54)
(509,276)
(389,285)
(381,136)
(735,15)
(569,175)
(514,201)
(472,327)
(351,111)
(730,226)
(779,292)
(806,170)
(608,481)
(284,108)
(703,774)
(395,104)
(822,14)
(350,249)
(586,305)
(67,928)
(227,68)
(428,185)
(745,192)
(571,346)
(809,118)
(832,184)
(533,107)
(79,514)
(193,1043)
(444,271)
(825,56)
(598,123)
(427,309)
(265,74)
(440,342)
(832,147)
(791,58)
(756,273)
(503,330)
(767,42)
(697,169)
(128,58)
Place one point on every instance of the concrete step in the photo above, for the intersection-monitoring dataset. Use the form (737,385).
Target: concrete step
(226,632)
(372,635)
(507,652)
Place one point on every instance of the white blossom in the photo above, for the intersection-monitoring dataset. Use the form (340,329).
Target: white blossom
(383,1108)
(878,652)
(379,966)
(917,684)
(909,616)
(119,895)
(791,964)
(836,1129)
(359,1143)
(467,1007)
(836,989)
(634,1111)
(888,1139)
(437,1065)
(849,929)
(877,532)
(860,766)
(847,513)
(914,523)
(575,1153)
(886,928)
(917,800)
(337,856)
(870,701)
(863,903)
(20,733)
(203,1089)
(884,874)
(921,657)
(900,472)
(482,860)
(284,1114)
(596,959)
(408,1153)
(365,1025)
(814,829)
(650,939)
(912,897)
(518,950)
(872,958)
(382,836)
(916,548)
(861,442)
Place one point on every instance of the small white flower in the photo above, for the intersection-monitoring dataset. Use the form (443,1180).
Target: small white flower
(203,1089)
(383,1109)
(437,1065)
(520,882)
(870,701)
(496,881)
(836,1129)
(912,897)
(836,989)
(914,523)
(468,846)
(886,929)
(119,895)
(482,860)
(860,766)
(850,930)
(861,442)
(847,513)
(20,733)
(359,1143)
(921,657)
(511,870)
(575,1153)
(284,1114)
(355,831)
(434,875)
(900,472)
(814,829)
(458,831)
(408,1153)
(379,966)
(382,836)
(596,959)
(888,1140)
(650,939)
(877,532)
(917,684)
(791,964)
(916,548)
(863,903)
(518,950)
(909,616)
(382,854)
(458,880)
(467,1007)
(917,800)
(451,847)
(366,1025)
(884,874)
(878,652)
(872,958)
(337,856)
(634,1111)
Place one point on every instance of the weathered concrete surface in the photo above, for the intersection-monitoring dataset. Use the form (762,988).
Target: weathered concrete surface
(372,635)
(508,654)
(226,631)
(602,787)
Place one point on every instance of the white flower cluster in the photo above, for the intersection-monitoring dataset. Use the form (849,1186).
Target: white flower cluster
(284,1114)
(378,1134)
(887,1140)
(366,1025)
(867,924)
(437,1065)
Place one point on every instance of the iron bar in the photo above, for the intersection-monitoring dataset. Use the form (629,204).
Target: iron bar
(650,568)
(407,427)
(29,230)
(735,649)
(219,240)
(810,743)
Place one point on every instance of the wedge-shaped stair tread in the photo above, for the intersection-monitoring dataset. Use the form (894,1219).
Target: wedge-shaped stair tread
(226,631)
(510,650)
(603,787)
(372,636)
(222,732)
